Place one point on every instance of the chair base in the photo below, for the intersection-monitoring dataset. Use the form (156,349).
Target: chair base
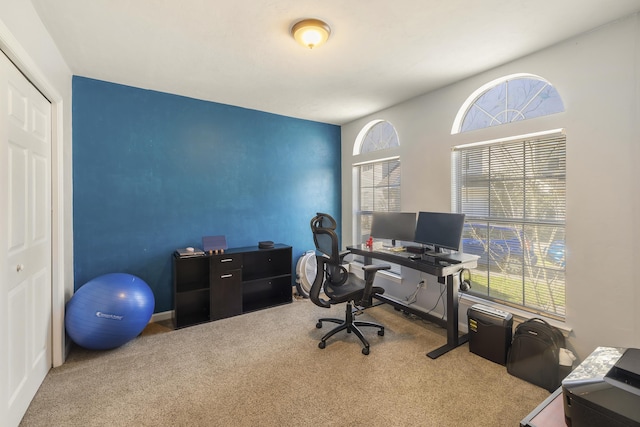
(350,325)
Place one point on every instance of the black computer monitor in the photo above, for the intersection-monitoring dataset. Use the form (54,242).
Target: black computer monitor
(440,230)
(393,226)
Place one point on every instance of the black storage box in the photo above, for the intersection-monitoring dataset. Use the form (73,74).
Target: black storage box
(490,332)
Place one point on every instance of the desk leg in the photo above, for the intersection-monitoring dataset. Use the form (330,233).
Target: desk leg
(453,340)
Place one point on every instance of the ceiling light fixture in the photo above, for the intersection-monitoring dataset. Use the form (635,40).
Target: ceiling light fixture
(310,32)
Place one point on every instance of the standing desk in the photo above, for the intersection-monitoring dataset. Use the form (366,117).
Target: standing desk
(447,266)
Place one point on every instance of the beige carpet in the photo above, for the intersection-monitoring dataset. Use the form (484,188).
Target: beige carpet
(265,368)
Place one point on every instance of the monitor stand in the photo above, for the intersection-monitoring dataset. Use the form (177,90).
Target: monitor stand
(430,257)
(434,255)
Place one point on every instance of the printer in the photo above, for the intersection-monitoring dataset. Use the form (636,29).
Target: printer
(604,390)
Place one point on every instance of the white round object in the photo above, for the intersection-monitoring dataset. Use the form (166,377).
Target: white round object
(306,273)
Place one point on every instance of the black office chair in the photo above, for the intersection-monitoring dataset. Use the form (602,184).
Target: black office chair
(339,285)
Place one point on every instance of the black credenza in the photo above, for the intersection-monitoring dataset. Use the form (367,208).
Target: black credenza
(217,286)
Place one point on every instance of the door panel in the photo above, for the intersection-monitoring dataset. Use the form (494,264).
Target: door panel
(17,197)
(25,242)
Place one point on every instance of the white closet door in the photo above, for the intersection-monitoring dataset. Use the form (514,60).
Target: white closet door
(25,241)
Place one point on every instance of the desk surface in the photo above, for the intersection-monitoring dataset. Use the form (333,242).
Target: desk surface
(446,264)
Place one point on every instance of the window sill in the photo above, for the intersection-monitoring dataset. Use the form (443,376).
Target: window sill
(519,316)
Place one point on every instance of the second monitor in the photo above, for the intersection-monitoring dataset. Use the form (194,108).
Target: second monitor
(393,226)
(440,230)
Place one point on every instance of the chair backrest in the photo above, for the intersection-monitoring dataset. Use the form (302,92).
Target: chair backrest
(328,261)
(325,238)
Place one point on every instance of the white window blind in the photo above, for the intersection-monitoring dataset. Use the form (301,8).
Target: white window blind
(513,193)
(379,190)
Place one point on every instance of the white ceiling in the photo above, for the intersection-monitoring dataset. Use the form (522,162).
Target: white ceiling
(239,52)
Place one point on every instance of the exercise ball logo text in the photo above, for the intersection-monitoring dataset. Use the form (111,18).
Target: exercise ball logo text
(108,316)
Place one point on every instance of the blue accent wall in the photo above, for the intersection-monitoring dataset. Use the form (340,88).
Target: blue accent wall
(153,172)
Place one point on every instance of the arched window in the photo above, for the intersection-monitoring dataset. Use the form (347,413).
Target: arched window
(376,135)
(513,193)
(508,99)
(376,175)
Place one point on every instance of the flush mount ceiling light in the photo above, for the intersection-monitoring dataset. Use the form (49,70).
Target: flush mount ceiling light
(310,32)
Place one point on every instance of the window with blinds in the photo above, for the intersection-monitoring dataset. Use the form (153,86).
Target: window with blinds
(376,180)
(513,193)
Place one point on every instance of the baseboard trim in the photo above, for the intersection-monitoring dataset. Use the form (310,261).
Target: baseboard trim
(165,315)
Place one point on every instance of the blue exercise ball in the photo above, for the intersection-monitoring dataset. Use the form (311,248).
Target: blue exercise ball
(109,311)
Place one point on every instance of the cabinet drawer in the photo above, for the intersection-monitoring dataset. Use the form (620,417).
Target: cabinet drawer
(266,263)
(224,262)
(222,276)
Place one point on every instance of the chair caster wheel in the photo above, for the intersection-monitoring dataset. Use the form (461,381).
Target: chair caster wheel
(381,332)
(365,351)
(322,344)
(319,325)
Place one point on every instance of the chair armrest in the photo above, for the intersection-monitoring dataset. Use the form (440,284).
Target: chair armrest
(374,267)
(343,254)
(314,292)
(369,275)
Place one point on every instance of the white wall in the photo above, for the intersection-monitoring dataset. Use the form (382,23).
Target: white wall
(24,39)
(598,76)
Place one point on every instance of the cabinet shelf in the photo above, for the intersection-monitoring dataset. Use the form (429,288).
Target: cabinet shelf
(248,281)
(214,287)
(192,286)
(191,319)
(274,302)
(191,307)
